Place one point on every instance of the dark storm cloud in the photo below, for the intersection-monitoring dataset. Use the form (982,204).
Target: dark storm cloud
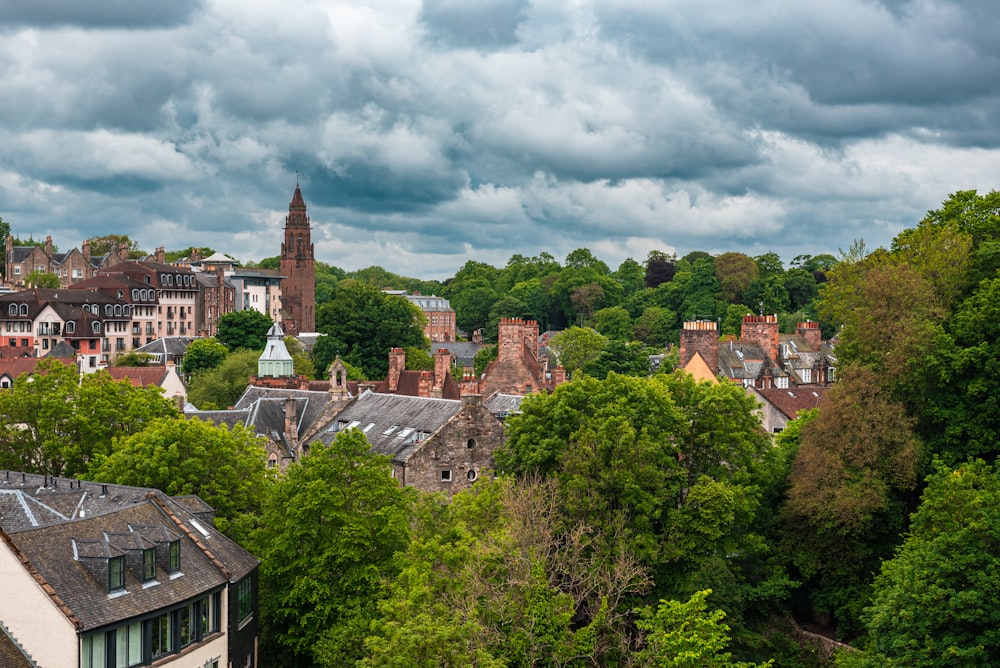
(426,134)
(96,13)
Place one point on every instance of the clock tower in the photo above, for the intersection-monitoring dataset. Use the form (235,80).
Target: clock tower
(298,287)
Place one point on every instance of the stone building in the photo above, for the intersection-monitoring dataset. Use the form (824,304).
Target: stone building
(517,368)
(435,445)
(298,289)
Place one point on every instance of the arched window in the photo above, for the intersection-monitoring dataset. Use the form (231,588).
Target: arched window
(471,443)
(472,475)
(24,309)
(118,309)
(109,309)
(135,295)
(96,326)
(12,309)
(70,326)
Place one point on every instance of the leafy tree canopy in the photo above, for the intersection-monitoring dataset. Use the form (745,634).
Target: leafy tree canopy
(181,456)
(112,242)
(327,536)
(243,329)
(41,279)
(222,386)
(362,324)
(134,359)
(56,421)
(201,354)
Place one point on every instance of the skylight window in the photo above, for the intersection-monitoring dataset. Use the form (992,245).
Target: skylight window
(390,430)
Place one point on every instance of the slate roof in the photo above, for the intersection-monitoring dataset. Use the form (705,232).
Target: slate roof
(464,352)
(502,405)
(12,655)
(395,425)
(65,529)
(791,401)
(275,348)
(745,360)
(172,346)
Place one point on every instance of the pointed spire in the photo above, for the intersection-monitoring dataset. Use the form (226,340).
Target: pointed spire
(297,201)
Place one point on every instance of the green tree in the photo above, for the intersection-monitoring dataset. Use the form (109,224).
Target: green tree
(631,275)
(180,456)
(576,347)
(735,272)
(659,269)
(935,601)
(327,536)
(134,359)
(55,421)
(175,255)
(622,357)
(112,242)
(202,354)
(655,325)
(223,385)
(685,635)
(243,329)
(362,324)
(41,279)
(495,578)
(614,322)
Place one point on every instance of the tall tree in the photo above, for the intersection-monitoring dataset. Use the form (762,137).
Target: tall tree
(327,536)
(224,466)
(246,329)
(112,242)
(362,324)
(576,347)
(203,354)
(735,272)
(55,421)
(935,601)
(221,386)
(659,269)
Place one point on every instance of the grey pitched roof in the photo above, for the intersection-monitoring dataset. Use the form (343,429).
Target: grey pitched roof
(395,425)
(744,360)
(12,655)
(167,345)
(501,404)
(464,352)
(65,529)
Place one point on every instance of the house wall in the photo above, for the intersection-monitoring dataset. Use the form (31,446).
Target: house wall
(448,450)
(44,632)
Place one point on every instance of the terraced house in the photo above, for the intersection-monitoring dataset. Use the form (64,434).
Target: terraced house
(97,576)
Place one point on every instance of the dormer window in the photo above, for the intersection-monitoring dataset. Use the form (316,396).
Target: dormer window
(96,326)
(24,309)
(149,564)
(70,327)
(12,309)
(116,574)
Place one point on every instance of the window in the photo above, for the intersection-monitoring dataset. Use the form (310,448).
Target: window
(96,326)
(185,621)
(830,374)
(174,565)
(116,574)
(128,645)
(149,564)
(24,309)
(160,641)
(70,327)
(92,653)
(472,475)
(78,273)
(244,599)
(446,475)
(471,443)
(17,270)
(12,309)
(209,618)
(272,461)
(806,375)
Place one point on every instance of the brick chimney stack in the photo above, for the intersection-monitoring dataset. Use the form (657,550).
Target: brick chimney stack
(809,331)
(397,364)
(425,384)
(48,245)
(700,336)
(85,251)
(442,367)
(160,255)
(763,330)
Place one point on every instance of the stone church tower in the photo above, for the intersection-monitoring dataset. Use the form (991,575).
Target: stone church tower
(298,288)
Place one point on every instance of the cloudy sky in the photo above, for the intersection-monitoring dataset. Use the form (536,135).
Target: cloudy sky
(425,134)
